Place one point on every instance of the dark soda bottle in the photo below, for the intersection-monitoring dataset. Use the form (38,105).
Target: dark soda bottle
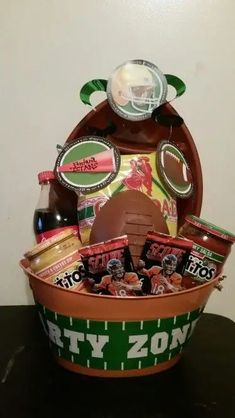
(56,209)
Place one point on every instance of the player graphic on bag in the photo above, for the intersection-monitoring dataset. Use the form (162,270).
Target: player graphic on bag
(163,279)
(118,282)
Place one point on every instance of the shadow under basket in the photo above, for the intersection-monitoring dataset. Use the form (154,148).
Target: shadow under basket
(111,336)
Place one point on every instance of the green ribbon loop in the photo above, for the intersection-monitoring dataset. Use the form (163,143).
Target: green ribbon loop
(90,87)
(177,83)
(101,85)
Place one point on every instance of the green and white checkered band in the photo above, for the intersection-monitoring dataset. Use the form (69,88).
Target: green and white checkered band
(109,345)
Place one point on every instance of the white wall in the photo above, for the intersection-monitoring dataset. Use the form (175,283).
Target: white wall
(49,48)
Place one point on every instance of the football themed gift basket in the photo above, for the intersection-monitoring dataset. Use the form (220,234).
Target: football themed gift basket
(123,265)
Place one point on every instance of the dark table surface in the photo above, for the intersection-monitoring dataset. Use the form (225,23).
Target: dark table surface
(202,385)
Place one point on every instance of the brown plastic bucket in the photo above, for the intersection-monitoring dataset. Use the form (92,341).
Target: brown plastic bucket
(120,337)
(111,336)
(143,137)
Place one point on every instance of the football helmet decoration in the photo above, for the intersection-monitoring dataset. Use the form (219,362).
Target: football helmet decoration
(135,89)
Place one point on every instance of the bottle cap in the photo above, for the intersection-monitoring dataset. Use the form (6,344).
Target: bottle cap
(45,175)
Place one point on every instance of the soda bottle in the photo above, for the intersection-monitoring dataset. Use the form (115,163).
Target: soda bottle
(56,209)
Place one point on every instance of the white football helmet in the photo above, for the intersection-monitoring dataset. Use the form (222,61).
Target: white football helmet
(139,86)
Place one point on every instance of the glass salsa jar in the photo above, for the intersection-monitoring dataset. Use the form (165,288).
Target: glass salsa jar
(212,246)
(57,260)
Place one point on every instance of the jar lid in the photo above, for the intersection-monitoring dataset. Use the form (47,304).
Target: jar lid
(45,245)
(45,176)
(211,228)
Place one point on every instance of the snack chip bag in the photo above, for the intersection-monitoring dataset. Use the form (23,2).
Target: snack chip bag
(137,172)
(162,264)
(110,265)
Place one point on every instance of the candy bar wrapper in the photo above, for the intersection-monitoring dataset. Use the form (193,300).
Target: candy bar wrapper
(162,263)
(110,265)
(137,172)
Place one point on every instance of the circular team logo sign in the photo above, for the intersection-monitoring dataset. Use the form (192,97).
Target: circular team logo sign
(173,170)
(135,89)
(87,164)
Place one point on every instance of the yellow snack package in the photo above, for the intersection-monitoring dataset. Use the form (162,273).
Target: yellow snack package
(137,172)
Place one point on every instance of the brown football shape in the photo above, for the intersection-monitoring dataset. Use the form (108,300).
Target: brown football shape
(130,212)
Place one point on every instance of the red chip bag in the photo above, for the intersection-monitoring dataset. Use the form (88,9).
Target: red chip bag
(162,263)
(110,265)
